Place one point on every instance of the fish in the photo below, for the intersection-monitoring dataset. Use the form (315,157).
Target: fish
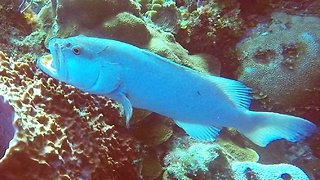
(201,104)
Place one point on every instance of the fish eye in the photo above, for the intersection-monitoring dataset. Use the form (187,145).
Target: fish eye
(76,50)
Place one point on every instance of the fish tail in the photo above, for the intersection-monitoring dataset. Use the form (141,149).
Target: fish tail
(265,127)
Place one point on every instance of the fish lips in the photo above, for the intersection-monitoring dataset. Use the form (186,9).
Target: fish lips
(44,62)
(52,63)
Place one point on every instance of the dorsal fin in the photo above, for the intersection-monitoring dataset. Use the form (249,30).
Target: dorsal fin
(237,92)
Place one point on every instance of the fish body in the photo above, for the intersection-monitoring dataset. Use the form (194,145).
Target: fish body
(201,104)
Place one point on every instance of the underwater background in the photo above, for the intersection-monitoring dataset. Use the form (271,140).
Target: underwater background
(50,130)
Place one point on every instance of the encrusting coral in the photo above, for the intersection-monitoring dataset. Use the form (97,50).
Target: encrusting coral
(62,133)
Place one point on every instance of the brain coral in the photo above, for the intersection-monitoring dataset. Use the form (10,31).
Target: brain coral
(62,133)
(281,61)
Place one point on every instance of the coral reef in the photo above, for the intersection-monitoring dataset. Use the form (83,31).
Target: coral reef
(163,14)
(315,144)
(213,28)
(151,166)
(228,155)
(193,160)
(90,14)
(236,152)
(121,28)
(122,24)
(219,25)
(251,170)
(164,44)
(189,159)
(62,133)
(159,130)
(13,26)
(89,17)
(258,7)
(154,131)
(206,23)
(297,154)
(281,61)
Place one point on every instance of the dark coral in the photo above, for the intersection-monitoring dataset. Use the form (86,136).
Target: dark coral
(12,24)
(215,29)
(264,7)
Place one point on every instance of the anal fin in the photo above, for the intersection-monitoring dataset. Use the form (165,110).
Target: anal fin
(198,131)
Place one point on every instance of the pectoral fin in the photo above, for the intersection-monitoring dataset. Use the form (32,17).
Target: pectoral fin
(127,107)
(198,131)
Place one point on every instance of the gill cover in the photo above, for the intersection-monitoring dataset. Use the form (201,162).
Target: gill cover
(109,73)
(108,80)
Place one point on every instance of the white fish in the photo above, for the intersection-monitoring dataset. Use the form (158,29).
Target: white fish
(200,104)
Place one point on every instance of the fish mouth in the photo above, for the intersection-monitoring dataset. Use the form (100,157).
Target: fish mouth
(52,64)
(46,64)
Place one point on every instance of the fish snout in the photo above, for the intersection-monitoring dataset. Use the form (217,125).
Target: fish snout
(53,38)
(53,42)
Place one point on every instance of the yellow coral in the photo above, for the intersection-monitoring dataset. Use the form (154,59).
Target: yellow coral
(157,1)
(30,17)
(156,7)
(236,152)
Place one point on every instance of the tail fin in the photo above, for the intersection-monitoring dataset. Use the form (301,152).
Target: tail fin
(265,127)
